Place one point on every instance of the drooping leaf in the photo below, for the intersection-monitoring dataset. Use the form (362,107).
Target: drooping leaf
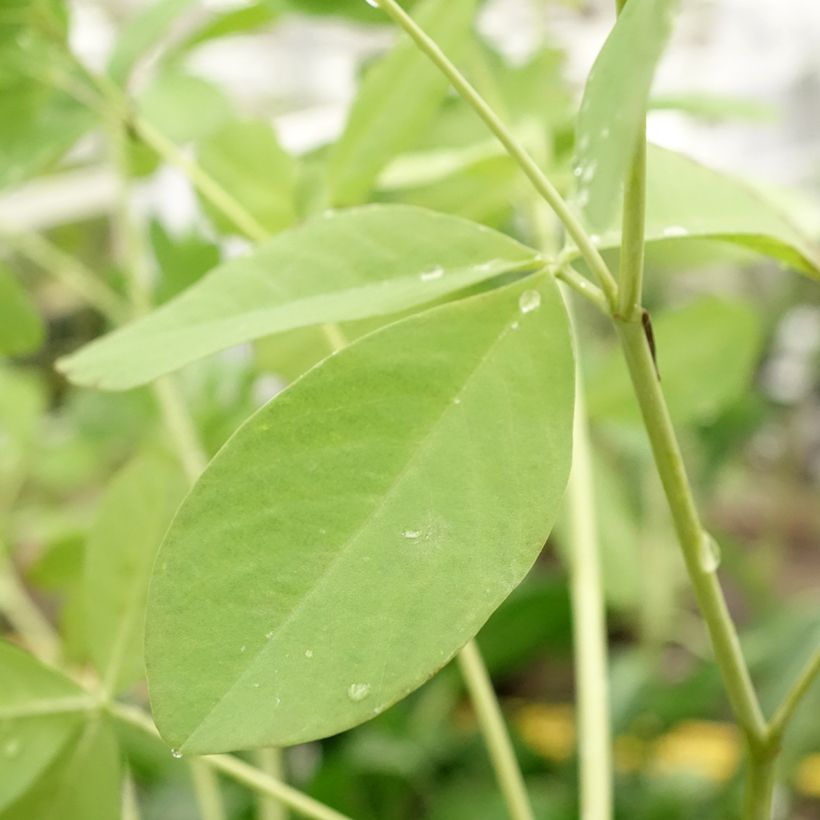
(614,104)
(706,357)
(347,265)
(21,329)
(686,199)
(83,783)
(40,710)
(134,514)
(246,159)
(357,530)
(397,99)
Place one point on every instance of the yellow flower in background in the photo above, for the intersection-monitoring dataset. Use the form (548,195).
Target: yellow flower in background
(698,747)
(807,777)
(548,729)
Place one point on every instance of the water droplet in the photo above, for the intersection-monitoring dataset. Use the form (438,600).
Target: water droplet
(374,3)
(709,553)
(529,300)
(456,400)
(675,230)
(12,747)
(269,635)
(514,326)
(432,274)
(242,648)
(308,653)
(595,238)
(578,170)
(358,691)
(256,685)
(583,198)
(412,534)
(176,754)
(604,133)
(583,144)
(589,172)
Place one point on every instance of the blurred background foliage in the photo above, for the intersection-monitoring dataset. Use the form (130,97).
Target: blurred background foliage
(257,92)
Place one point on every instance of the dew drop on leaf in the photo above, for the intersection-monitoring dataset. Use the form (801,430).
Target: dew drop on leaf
(529,300)
(12,747)
(358,691)
(411,534)
(176,754)
(432,274)
(308,653)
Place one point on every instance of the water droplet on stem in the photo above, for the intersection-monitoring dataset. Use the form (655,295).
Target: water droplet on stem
(709,553)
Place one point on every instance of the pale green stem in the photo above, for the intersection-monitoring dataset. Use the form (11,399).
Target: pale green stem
(66,269)
(271,762)
(491,721)
(631,264)
(785,712)
(130,806)
(206,790)
(25,617)
(180,426)
(527,164)
(566,273)
(693,539)
(236,769)
(758,789)
(589,626)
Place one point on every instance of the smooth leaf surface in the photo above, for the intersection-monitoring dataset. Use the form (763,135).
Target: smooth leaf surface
(706,356)
(40,710)
(82,784)
(245,158)
(363,525)
(686,199)
(347,265)
(132,519)
(396,101)
(21,329)
(614,104)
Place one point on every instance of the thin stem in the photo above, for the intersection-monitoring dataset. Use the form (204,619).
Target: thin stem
(631,264)
(206,791)
(785,712)
(759,787)
(518,153)
(23,614)
(68,270)
(566,273)
(234,768)
(495,733)
(589,625)
(181,428)
(271,762)
(693,540)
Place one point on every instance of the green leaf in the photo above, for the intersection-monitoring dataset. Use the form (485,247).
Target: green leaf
(40,710)
(688,200)
(132,519)
(21,329)
(363,525)
(82,784)
(247,160)
(397,100)
(184,107)
(706,352)
(614,104)
(141,33)
(347,265)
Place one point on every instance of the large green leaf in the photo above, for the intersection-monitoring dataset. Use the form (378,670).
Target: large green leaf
(246,159)
(686,199)
(134,514)
(21,329)
(40,710)
(706,357)
(363,525)
(347,265)
(397,100)
(614,104)
(83,783)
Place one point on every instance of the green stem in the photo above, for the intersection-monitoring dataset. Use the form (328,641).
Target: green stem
(589,626)
(181,428)
(785,712)
(206,790)
(495,733)
(566,273)
(631,263)
(234,768)
(271,762)
(71,272)
(759,787)
(518,153)
(24,616)
(692,538)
